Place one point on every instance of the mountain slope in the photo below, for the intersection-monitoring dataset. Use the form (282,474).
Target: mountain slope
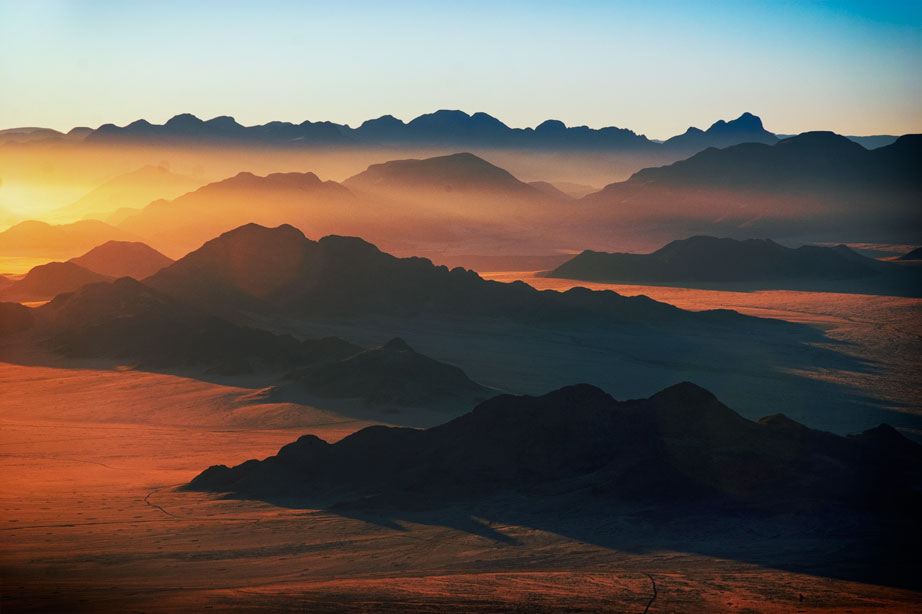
(134,189)
(123,259)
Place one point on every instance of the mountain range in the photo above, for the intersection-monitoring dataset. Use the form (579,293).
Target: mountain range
(709,259)
(34,238)
(130,190)
(442,128)
(253,268)
(102,263)
(680,446)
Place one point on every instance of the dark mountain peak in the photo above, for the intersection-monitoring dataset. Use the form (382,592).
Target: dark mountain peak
(385,121)
(684,393)
(747,122)
(441,117)
(551,126)
(744,129)
(397,345)
(123,259)
(138,123)
(820,142)
(915,254)
(224,122)
(782,422)
(184,120)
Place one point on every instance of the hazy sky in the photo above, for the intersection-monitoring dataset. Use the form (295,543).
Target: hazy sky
(653,66)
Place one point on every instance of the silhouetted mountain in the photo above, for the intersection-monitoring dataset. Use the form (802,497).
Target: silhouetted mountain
(680,445)
(38,238)
(392,374)
(708,259)
(747,128)
(48,280)
(816,182)
(134,189)
(187,128)
(253,267)
(14,318)
(462,173)
(868,142)
(444,128)
(123,259)
(915,254)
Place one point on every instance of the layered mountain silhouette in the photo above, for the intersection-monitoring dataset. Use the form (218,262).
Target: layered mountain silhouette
(392,374)
(747,128)
(125,319)
(814,183)
(123,259)
(186,222)
(132,190)
(915,254)
(64,240)
(447,128)
(709,259)
(256,268)
(46,281)
(680,445)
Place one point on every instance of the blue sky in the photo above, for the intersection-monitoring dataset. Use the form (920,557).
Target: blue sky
(655,67)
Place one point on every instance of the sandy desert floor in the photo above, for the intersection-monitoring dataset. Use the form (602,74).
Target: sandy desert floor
(90,456)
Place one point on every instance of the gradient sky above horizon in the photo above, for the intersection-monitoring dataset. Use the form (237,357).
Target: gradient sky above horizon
(656,67)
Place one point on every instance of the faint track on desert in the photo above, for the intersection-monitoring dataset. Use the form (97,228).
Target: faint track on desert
(653,598)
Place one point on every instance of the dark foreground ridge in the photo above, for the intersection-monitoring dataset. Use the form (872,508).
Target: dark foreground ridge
(681,445)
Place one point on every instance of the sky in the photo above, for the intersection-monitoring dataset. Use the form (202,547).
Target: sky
(656,67)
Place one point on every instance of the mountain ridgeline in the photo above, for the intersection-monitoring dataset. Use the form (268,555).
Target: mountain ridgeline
(442,128)
(679,446)
(752,263)
(279,270)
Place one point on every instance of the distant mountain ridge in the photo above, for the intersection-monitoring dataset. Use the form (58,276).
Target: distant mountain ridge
(710,259)
(445,127)
(67,240)
(813,184)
